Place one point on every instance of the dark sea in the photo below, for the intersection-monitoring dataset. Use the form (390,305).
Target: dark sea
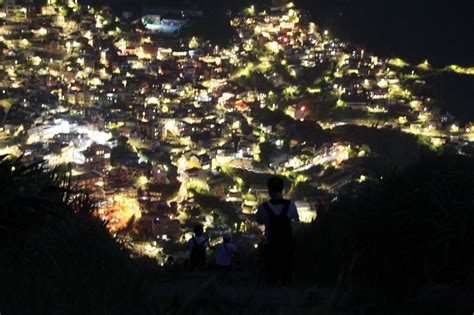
(440,31)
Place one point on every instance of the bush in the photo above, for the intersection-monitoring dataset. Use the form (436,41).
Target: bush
(412,229)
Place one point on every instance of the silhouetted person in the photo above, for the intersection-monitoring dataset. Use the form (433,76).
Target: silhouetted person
(169,264)
(277,214)
(197,249)
(224,252)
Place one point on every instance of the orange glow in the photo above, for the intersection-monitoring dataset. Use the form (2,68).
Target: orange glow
(118,211)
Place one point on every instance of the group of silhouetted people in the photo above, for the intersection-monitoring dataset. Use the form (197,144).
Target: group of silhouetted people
(198,244)
(277,247)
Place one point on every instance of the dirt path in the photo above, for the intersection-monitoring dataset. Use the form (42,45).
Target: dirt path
(208,293)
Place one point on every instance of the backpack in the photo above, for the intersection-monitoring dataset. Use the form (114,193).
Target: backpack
(227,252)
(198,254)
(279,226)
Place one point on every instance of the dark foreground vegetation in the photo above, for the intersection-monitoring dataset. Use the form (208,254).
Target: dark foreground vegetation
(55,257)
(403,244)
(407,233)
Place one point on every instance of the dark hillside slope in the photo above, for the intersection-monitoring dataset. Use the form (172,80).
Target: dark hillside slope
(407,231)
(55,257)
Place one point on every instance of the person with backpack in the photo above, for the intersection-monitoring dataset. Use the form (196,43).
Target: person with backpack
(224,252)
(197,249)
(277,215)
(169,264)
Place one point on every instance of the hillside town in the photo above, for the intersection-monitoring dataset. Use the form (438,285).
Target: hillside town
(164,131)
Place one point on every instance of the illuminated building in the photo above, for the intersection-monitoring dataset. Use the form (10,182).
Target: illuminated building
(10,6)
(156,23)
(88,181)
(97,156)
